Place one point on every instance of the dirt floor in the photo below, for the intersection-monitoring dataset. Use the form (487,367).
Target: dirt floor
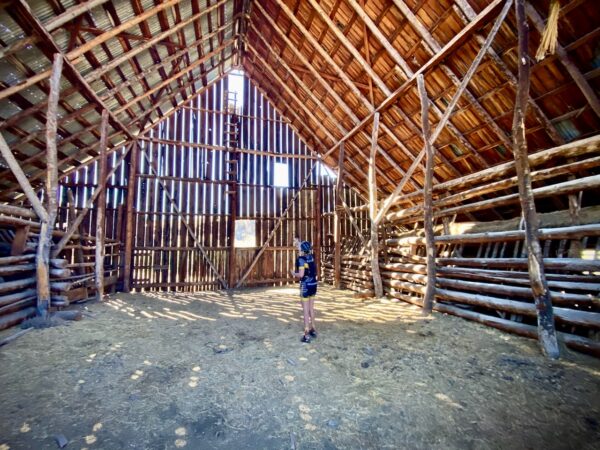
(162,371)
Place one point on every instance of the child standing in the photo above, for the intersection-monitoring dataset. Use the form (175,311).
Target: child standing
(306,271)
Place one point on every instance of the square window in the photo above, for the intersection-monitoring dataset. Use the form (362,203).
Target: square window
(245,233)
(281,175)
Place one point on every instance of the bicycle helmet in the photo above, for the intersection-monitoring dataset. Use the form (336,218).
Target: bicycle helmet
(305,246)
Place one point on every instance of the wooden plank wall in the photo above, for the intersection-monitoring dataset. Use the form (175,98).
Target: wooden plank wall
(82,184)
(190,149)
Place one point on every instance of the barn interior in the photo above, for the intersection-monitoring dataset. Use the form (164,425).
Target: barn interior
(159,158)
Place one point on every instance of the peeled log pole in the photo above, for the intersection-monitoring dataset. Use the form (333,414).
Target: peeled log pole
(541,293)
(337,221)
(427,205)
(373,210)
(78,251)
(129,217)
(101,209)
(45,239)
(18,173)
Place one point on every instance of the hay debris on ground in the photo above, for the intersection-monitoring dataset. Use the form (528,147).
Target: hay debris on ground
(212,370)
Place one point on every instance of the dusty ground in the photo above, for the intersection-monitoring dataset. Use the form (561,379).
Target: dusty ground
(212,371)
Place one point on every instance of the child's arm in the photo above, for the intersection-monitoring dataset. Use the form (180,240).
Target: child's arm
(298,274)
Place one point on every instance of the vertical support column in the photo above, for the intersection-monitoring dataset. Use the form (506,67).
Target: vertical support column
(318,222)
(45,240)
(101,208)
(427,198)
(337,222)
(537,276)
(129,217)
(373,208)
(233,203)
(79,258)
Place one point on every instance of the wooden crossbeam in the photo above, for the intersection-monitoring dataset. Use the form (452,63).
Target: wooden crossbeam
(73,55)
(53,24)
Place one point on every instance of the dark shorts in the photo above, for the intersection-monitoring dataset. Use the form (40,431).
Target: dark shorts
(308,289)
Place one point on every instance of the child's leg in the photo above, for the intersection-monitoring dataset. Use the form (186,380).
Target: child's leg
(311,303)
(306,312)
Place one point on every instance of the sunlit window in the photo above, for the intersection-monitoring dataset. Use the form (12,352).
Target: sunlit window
(281,175)
(245,233)
(235,88)
(324,170)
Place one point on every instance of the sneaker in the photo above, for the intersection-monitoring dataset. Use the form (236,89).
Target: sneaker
(305,339)
(313,333)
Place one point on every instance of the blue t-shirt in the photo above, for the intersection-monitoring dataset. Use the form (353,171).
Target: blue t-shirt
(307,262)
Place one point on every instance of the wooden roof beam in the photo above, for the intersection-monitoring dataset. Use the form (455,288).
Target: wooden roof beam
(53,24)
(325,75)
(433,46)
(349,83)
(145,128)
(110,65)
(162,63)
(176,76)
(587,91)
(310,69)
(28,21)
(407,73)
(312,97)
(466,13)
(75,54)
(129,36)
(442,123)
(358,185)
(482,18)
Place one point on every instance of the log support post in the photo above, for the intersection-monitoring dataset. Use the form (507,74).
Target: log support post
(378,287)
(337,221)
(537,276)
(101,208)
(19,242)
(78,251)
(427,199)
(130,221)
(318,221)
(233,204)
(45,239)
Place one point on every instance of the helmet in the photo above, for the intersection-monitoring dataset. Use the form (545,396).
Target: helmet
(305,246)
